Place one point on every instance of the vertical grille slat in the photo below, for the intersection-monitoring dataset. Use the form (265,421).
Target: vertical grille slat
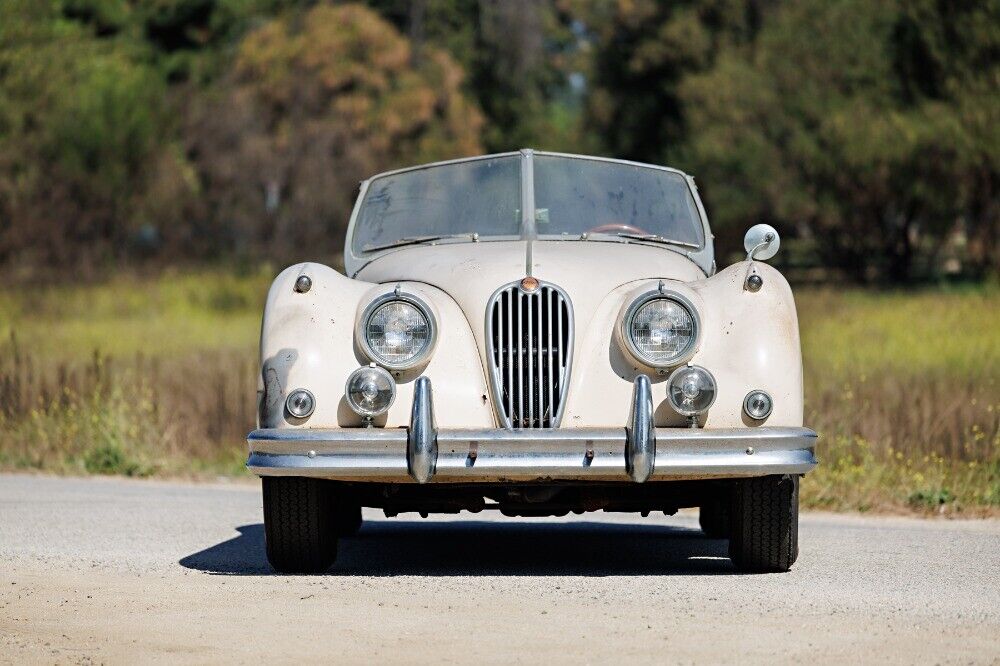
(543,342)
(530,375)
(530,341)
(548,313)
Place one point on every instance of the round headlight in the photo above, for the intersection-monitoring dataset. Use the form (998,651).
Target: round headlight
(397,333)
(758,405)
(661,331)
(300,403)
(370,391)
(691,390)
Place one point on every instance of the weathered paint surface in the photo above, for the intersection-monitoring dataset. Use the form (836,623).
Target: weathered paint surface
(748,340)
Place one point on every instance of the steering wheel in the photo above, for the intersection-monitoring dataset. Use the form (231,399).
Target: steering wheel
(615,227)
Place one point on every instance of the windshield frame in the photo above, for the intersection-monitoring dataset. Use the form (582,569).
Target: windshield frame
(703,256)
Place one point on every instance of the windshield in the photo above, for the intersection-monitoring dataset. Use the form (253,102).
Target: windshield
(575,196)
(478,196)
(572,196)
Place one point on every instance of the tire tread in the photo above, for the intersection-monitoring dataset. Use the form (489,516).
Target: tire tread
(765,520)
(299,530)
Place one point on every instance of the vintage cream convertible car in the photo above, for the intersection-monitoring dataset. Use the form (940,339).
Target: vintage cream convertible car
(534,333)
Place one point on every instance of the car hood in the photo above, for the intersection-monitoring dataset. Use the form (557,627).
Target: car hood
(476,270)
(586,270)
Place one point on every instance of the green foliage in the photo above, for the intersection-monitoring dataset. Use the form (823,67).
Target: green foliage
(167,318)
(904,389)
(80,121)
(192,129)
(869,127)
(931,498)
(645,50)
(843,121)
(517,55)
(312,105)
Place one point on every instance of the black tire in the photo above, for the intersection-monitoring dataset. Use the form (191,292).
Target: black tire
(764,533)
(299,524)
(348,518)
(714,519)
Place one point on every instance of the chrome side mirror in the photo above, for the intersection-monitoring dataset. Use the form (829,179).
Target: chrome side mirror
(761,242)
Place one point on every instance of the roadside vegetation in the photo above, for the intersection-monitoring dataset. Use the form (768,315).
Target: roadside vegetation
(144,377)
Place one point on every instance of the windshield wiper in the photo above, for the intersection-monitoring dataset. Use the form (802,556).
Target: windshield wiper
(416,240)
(656,238)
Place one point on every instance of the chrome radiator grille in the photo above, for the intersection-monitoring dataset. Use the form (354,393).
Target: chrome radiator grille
(530,345)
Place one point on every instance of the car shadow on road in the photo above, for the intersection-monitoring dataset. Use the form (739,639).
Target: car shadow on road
(476,548)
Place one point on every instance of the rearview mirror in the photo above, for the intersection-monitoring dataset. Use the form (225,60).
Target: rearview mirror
(761,242)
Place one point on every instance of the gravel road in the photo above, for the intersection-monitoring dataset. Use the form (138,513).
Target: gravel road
(115,571)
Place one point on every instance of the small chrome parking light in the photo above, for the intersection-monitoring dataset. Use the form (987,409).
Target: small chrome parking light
(300,403)
(758,405)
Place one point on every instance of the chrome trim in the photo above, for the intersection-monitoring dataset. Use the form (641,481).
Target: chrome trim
(625,327)
(503,298)
(640,434)
(347,391)
(528,230)
(303,283)
(421,441)
(502,455)
(670,395)
(288,399)
(430,165)
(361,328)
(746,402)
(613,160)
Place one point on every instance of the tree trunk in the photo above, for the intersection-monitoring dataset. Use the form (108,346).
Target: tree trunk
(416,30)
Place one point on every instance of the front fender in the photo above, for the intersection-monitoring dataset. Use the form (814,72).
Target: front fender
(748,341)
(308,341)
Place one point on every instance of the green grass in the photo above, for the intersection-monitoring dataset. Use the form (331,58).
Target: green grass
(157,376)
(855,334)
(175,315)
(904,389)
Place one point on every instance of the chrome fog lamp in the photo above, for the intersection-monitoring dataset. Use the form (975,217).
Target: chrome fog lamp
(370,391)
(300,403)
(758,405)
(397,331)
(691,390)
(660,330)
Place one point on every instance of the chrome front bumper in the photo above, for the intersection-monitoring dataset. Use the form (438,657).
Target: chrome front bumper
(636,452)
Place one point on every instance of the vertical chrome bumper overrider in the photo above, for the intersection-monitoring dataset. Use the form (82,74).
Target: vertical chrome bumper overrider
(640,434)
(421,441)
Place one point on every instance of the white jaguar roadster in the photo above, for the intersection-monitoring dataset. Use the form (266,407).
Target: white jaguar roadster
(533,333)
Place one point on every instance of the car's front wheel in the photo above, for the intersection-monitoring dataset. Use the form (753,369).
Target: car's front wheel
(764,523)
(300,524)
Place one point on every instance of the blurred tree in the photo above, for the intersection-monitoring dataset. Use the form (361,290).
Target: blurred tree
(644,49)
(192,127)
(518,54)
(79,127)
(313,104)
(866,125)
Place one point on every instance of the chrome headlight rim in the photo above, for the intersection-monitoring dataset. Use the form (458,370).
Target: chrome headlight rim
(667,295)
(361,330)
